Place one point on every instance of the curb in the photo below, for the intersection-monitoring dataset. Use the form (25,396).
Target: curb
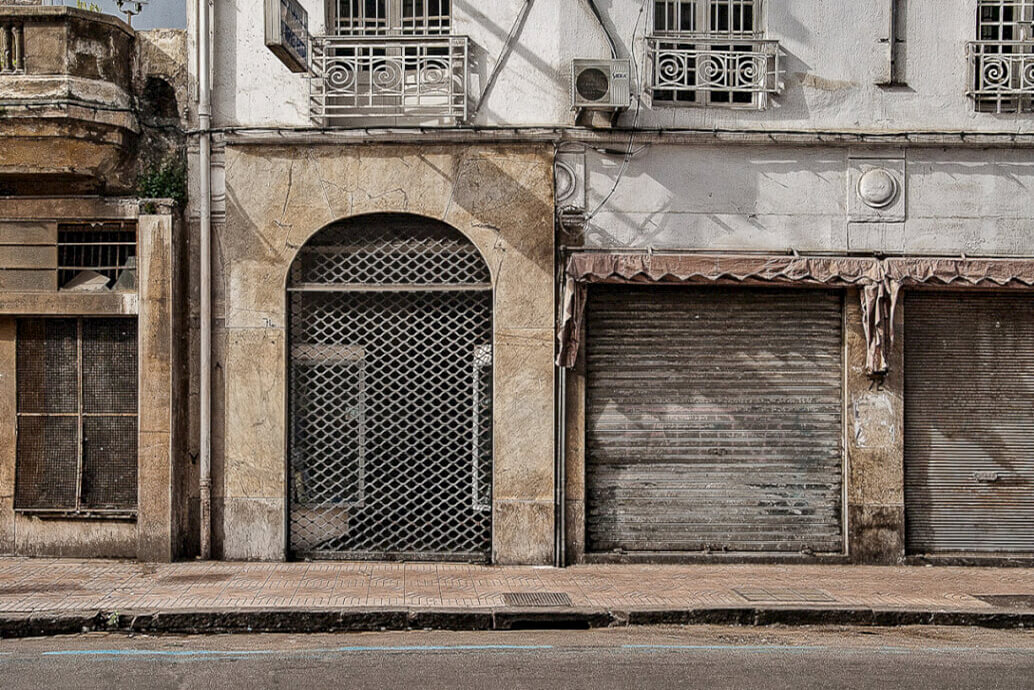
(373,620)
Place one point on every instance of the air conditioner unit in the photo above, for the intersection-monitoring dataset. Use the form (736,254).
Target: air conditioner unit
(600,85)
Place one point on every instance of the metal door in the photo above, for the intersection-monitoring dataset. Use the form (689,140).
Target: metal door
(714,420)
(969,422)
(390,441)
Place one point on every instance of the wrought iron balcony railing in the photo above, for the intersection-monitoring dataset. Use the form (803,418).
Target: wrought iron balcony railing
(732,72)
(1001,75)
(416,78)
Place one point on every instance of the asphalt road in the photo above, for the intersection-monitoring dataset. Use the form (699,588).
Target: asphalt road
(702,656)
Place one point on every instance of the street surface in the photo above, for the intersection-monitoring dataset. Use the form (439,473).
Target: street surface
(653,657)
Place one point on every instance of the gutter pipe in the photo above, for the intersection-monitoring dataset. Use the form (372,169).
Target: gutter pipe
(204,112)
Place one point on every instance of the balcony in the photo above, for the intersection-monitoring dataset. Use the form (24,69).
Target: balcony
(1001,76)
(66,109)
(720,72)
(410,79)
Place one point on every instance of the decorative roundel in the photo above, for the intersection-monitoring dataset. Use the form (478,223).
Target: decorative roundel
(565,181)
(878,188)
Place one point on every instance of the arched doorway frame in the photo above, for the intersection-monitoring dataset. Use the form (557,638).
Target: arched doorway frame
(475,267)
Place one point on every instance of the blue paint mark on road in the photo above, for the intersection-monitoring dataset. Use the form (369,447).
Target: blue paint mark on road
(282,652)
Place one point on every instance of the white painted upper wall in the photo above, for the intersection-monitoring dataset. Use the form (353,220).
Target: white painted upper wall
(831,59)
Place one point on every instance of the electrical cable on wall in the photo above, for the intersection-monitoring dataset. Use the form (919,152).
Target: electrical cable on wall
(515,31)
(635,118)
(603,25)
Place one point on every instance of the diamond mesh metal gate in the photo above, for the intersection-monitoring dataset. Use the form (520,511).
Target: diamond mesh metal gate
(390,380)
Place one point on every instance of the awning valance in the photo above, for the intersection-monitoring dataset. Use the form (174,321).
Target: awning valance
(588,268)
(879,282)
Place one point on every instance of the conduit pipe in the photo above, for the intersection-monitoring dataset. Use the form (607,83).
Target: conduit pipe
(204,113)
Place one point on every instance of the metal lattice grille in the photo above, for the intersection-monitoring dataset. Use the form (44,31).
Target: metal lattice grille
(77,415)
(390,393)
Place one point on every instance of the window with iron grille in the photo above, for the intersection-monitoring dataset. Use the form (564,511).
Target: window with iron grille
(76,381)
(1001,60)
(388,59)
(392,17)
(711,53)
(106,248)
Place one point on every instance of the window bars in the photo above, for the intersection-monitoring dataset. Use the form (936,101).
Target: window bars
(390,394)
(711,52)
(1001,60)
(392,17)
(106,248)
(76,451)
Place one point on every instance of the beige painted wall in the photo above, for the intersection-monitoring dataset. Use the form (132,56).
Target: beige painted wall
(153,535)
(277,198)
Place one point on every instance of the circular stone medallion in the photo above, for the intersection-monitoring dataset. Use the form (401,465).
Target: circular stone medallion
(878,188)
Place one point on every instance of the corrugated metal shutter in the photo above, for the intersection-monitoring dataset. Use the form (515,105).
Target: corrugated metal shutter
(714,419)
(969,422)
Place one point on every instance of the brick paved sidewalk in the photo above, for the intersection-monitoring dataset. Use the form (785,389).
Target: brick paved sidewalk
(82,586)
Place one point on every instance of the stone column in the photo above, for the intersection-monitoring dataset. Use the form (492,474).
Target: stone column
(8,432)
(875,449)
(157,439)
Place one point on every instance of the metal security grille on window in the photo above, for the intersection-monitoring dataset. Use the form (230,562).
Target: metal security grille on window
(390,382)
(77,416)
(1001,60)
(389,58)
(86,250)
(711,52)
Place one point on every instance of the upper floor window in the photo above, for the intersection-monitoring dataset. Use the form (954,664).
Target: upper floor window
(1001,60)
(392,17)
(388,60)
(711,52)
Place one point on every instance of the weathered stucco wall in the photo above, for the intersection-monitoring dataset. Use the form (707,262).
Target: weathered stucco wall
(776,198)
(157,532)
(875,428)
(832,58)
(277,198)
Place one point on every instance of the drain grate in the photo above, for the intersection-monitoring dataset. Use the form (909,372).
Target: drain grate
(199,579)
(1007,601)
(783,594)
(536,599)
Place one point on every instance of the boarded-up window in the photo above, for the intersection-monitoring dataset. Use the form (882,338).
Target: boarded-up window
(77,415)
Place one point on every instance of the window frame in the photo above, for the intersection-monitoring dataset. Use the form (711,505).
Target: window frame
(78,510)
(388,18)
(999,84)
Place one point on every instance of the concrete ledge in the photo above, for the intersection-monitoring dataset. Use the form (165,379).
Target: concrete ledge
(373,620)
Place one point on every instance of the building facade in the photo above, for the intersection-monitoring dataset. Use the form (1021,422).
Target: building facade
(93,424)
(555,282)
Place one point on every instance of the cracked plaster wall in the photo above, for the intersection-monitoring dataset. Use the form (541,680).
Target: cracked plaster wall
(278,197)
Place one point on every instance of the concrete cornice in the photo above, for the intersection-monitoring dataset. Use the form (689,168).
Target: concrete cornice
(28,13)
(271,136)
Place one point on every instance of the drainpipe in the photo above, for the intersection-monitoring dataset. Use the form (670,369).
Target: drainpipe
(204,113)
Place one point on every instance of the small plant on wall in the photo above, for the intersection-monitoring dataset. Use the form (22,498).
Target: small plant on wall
(165,179)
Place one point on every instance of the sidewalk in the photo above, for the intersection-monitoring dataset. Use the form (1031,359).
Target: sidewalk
(41,596)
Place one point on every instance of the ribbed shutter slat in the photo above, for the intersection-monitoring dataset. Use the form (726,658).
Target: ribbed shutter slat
(714,419)
(969,422)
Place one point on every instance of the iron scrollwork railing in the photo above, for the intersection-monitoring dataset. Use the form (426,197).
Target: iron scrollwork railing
(412,77)
(703,68)
(1001,75)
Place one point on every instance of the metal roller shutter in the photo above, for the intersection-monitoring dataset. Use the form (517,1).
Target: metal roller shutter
(969,422)
(714,419)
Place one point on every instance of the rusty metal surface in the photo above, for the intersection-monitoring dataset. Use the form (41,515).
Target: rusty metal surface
(714,419)
(77,415)
(969,422)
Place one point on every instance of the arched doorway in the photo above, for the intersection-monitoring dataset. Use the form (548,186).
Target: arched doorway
(390,392)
